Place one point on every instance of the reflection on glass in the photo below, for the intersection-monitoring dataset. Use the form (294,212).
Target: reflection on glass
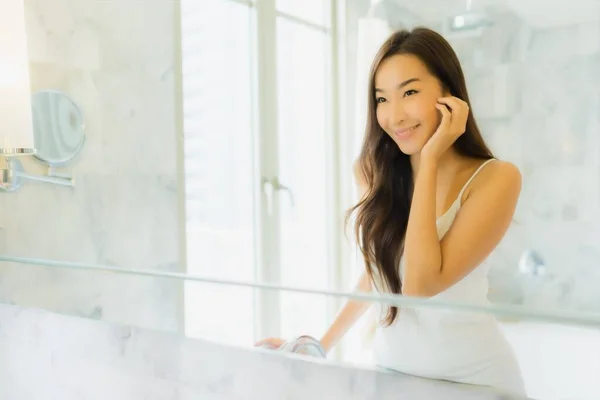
(75,289)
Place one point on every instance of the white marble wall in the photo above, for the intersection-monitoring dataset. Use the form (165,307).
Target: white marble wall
(117,60)
(536,94)
(49,356)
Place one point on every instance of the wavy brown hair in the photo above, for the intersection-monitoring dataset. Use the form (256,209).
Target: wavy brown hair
(382,213)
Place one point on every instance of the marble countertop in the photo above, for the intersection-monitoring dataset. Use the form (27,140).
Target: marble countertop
(75,358)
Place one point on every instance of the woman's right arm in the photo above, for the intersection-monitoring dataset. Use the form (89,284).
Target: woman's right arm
(347,317)
(350,313)
(353,309)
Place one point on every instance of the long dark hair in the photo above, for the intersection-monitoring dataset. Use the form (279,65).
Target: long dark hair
(382,214)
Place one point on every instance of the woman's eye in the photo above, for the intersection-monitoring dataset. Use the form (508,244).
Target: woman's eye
(380,100)
(410,92)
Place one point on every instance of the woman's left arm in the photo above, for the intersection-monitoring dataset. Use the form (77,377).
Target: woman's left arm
(431,265)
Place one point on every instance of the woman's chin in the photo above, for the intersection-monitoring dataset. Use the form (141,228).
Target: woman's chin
(410,148)
(412,145)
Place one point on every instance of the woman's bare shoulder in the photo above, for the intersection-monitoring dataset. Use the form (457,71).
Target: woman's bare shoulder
(498,173)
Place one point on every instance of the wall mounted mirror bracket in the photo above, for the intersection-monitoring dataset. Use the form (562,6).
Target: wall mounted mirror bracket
(59,134)
(13,175)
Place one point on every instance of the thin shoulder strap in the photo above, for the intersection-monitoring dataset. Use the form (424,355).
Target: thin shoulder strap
(460,195)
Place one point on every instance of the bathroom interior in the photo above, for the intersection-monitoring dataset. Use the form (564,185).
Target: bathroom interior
(176,175)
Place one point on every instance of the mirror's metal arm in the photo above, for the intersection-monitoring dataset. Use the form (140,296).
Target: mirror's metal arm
(48,179)
(13,175)
(55,174)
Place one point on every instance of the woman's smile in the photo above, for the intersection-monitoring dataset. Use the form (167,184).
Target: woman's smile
(405,133)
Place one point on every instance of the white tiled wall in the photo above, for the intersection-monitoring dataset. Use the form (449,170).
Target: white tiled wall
(116,60)
(536,94)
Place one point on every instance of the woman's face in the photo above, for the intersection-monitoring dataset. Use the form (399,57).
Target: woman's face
(405,97)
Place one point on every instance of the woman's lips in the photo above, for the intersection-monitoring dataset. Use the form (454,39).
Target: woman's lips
(406,132)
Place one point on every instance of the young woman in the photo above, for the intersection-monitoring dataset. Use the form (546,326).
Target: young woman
(434,204)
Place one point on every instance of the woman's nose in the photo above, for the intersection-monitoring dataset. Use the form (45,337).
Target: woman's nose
(397,115)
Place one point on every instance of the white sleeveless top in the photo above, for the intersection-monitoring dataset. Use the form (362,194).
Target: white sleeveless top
(446,344)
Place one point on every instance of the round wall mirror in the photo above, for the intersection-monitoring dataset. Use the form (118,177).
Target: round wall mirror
(58,127)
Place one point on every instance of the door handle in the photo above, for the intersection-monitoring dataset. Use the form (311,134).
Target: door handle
(274,185)
(278,186)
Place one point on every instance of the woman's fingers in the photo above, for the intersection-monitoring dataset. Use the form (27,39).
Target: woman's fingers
(271,342)
(446,116)
(454,103)
(460,113)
